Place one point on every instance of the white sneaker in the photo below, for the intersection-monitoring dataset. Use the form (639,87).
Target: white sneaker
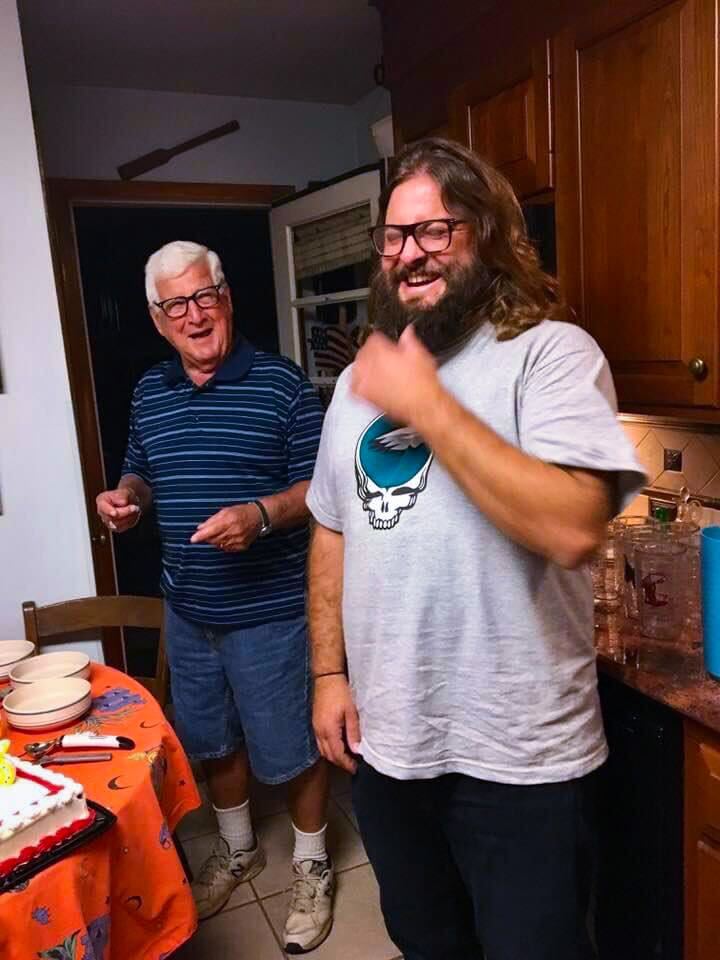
(310,915)
(221,873)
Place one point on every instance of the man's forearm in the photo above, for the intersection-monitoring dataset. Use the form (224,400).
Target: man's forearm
(325,583)
(142,490)
(556,512)
(288,508)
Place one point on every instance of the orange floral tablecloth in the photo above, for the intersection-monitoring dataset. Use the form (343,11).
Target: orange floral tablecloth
(124,895)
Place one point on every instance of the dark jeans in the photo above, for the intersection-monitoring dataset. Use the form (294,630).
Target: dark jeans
(466,865)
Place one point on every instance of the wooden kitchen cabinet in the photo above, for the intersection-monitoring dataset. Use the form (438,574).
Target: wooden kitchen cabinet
(511,127)
(626,144)
(636,164)
(702,843)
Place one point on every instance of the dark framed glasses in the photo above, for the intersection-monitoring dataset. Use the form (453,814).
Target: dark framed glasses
(432,236)
(177,307)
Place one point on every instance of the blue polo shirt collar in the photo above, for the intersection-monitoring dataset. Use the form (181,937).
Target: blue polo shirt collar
(234,367)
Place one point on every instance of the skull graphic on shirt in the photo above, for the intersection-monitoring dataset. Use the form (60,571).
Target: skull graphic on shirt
(391,468)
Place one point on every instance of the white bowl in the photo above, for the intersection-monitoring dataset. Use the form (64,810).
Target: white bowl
(51,666)
(12,652)
(47,703)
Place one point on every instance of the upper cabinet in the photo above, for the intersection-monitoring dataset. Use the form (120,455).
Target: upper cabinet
(608,108)
(637,192)
(511,127)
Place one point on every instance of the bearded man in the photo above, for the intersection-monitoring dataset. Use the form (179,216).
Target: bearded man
(469,463)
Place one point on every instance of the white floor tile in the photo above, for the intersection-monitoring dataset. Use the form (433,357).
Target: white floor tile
(242,934)
(344,801)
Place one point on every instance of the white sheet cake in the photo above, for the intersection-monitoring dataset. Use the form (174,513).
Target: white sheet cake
(40,808)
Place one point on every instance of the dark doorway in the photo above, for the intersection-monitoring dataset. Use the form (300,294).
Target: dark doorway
(113,245)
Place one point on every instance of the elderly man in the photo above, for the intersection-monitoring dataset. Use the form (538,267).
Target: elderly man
(469,463)
(222,442)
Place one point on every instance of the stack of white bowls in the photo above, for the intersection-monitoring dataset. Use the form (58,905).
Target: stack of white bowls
(49,691)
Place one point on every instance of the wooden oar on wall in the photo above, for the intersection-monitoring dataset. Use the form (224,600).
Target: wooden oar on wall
(157,158)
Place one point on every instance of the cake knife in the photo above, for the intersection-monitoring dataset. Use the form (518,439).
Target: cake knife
(61,758)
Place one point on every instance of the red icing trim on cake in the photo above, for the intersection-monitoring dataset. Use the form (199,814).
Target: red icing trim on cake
(47,843)
(51,788)
(34,778)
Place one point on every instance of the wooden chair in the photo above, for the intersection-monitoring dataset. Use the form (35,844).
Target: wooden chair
(51,623)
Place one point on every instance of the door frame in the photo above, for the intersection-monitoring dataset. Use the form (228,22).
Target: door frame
(62,197)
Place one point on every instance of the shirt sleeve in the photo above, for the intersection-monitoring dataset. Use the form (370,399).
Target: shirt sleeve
(136,461)
(322,498)
(568,411)
(304,423)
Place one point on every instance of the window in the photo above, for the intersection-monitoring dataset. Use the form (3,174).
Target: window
(322,256)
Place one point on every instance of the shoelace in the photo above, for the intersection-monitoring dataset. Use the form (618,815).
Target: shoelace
(305,889)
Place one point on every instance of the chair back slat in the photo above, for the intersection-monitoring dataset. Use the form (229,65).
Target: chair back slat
(90,612)
(50,624)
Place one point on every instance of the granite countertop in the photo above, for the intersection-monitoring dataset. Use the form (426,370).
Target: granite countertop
(669,671)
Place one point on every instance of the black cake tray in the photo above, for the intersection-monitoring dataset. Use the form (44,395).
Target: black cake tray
(104,819)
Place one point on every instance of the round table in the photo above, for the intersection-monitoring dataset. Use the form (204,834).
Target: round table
(124,894)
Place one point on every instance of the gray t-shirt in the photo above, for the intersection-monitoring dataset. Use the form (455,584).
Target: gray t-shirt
(467,653)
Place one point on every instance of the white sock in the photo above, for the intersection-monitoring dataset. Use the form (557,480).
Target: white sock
(310,846)
(235,827)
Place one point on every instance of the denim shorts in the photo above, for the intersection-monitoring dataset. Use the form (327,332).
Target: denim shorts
(243,687)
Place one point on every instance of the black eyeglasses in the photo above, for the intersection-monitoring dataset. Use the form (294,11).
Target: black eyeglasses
(432,236)
(177,307)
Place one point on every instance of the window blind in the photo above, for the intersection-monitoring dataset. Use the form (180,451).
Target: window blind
(332,242)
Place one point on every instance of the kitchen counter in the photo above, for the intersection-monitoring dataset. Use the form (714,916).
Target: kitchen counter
(669,671)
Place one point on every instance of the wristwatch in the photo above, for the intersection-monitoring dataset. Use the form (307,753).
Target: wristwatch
(266,527)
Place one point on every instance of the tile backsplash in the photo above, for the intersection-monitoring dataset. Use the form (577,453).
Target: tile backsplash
(700,471)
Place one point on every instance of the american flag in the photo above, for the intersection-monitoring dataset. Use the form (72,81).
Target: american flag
(332,348)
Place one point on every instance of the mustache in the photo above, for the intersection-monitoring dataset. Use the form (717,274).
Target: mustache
(403,272)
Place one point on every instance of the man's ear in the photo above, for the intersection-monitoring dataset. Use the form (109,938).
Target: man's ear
(228,294)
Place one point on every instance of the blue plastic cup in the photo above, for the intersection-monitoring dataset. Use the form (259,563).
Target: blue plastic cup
(710,573)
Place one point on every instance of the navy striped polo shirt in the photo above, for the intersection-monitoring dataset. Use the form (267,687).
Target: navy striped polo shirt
(250,431)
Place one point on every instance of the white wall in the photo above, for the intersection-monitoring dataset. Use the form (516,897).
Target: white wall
(88,131)
(44,545)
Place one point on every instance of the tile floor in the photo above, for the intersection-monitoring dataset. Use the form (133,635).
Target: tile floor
(250,926)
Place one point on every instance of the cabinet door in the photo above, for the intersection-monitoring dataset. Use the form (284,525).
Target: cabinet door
(702,844)
(638,911)
(511,128)
(637,195)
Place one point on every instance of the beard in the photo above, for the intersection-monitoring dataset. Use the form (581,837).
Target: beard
(442,326)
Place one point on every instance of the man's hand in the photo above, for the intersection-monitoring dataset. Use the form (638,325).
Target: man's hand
(399,378)
(336,722)
(118,509)
(231,529)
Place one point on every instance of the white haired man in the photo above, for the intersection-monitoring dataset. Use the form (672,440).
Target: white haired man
(222,442)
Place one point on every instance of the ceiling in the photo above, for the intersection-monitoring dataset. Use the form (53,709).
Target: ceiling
(314,50)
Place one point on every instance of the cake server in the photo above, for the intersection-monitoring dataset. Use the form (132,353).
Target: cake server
(71,741)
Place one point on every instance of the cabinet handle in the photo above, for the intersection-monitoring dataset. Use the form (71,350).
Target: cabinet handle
(99,538)
(698,368)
